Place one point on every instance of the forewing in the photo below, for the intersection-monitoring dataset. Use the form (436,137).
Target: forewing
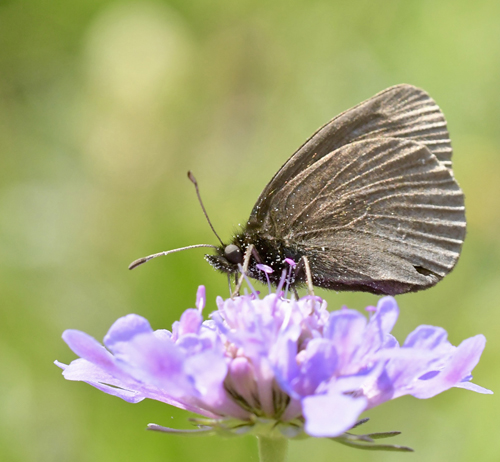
(403,112)
(372,212)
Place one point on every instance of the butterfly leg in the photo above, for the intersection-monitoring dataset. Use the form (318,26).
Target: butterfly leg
(308,275)
(304,263)
(246,263)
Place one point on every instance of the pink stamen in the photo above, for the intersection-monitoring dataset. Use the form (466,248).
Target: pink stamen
(290,262)
(281,283)
(292,265)
(266,270)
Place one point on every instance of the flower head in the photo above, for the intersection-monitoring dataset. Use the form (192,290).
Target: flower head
(289,365)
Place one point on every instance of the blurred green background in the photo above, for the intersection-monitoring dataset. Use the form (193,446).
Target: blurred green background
(104,106)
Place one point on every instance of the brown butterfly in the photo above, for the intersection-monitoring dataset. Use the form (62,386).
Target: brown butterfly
(368,203)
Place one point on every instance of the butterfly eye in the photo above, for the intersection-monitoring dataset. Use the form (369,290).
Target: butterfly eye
(233,254)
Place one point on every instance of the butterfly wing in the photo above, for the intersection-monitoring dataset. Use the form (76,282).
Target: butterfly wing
(381,215)
(402,111)
(380,211)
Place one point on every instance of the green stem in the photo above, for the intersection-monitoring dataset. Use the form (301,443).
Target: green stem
(272,449)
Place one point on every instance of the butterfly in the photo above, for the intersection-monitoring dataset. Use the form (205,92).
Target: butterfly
(368,203)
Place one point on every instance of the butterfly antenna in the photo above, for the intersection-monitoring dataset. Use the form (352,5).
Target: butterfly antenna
(193,180)
(142,260)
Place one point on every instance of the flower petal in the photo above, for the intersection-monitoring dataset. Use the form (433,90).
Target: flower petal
(459,366)
(84,371)
(426,337)
(386,315)
(379,326)
(89,348)
(126,328)
(190,322)
(207,370)
(319,364)
(331,414)
(201,298)
(345,329)
(473,387)
(286,369)
(156,361)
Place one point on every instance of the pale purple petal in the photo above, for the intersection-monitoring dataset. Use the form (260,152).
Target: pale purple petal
(160,363)
(84,371)
(190,322)
(242,380)
(379,391)
(318,365)
(201,298)
(390,342)
(461,364)
(387,314)
(60,364)
(332,414)
(133,392)
(345,329)
(385,318)
(426,337)
(473,387)
(356,382)
(286,369)
(163,334)
(379,327)
(206,380)
(88,348)
(406,366)
(126,328)
(191,344)
(265,378)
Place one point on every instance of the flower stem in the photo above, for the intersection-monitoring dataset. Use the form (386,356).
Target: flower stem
(272,449)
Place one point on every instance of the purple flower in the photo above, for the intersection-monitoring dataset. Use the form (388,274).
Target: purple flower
(289,365)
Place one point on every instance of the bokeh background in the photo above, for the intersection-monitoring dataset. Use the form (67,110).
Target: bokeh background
(105,105)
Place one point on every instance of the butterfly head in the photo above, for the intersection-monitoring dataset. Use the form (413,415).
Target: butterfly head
(227,258)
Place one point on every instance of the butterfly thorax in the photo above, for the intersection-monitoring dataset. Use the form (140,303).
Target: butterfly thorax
(269,251)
